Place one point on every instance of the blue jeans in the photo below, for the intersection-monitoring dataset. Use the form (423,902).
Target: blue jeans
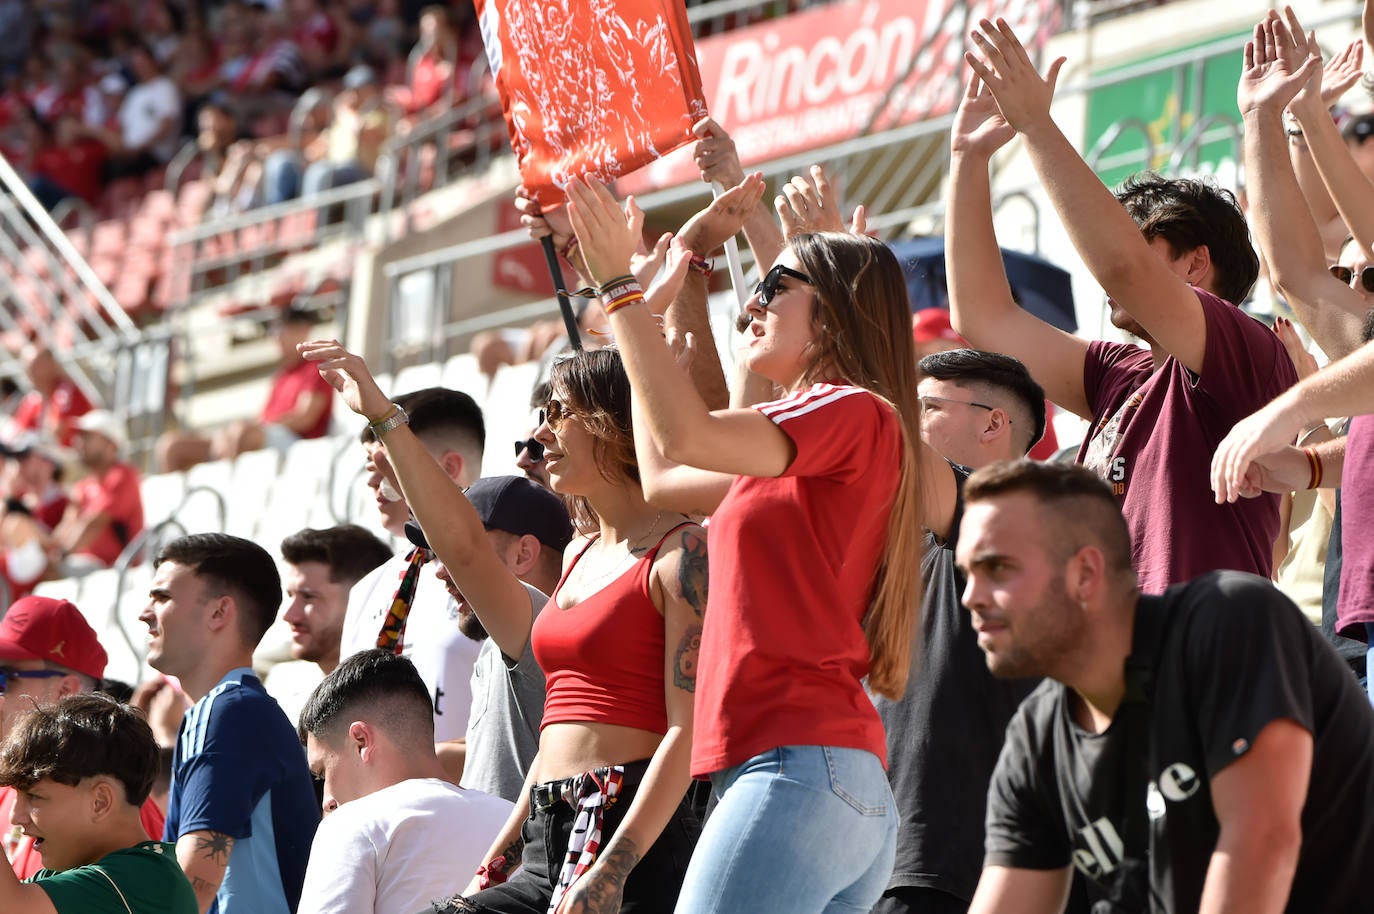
(799,829)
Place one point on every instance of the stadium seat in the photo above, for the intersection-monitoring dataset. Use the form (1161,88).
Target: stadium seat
(418,377)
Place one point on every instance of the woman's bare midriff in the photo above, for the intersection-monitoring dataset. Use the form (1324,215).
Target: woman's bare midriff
(568,749)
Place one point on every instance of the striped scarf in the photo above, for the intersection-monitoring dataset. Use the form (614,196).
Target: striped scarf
(394,626)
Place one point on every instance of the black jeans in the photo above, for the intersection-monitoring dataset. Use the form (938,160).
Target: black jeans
(652,886)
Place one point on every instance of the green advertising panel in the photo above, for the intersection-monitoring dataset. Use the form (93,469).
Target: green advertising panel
(1188,108)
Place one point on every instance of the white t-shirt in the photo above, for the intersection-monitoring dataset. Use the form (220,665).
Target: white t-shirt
(396,850)
(443,656)
(145,108)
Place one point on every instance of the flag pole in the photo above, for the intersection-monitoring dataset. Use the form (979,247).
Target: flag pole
(564,300)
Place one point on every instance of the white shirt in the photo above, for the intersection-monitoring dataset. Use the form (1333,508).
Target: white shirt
(145,108)
(396,850)
(443,656)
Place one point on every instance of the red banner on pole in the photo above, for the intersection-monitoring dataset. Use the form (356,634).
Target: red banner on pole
(591,87)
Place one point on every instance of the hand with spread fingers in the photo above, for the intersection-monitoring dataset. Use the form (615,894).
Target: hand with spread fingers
(348,374)
(1342,72)
(724,217)
(813,206)
(715,155)
(979,128)
(608,234)
(1296,51)
(1276,66)
(669,282)
(1261,434)
(1002,63)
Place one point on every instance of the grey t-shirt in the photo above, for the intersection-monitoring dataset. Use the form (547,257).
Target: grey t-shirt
(507,708)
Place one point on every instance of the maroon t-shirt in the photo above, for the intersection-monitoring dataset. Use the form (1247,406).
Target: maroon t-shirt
(1153,437)
(1355,602)
(116,493)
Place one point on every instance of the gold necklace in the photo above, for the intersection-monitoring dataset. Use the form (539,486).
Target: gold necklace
(584,584)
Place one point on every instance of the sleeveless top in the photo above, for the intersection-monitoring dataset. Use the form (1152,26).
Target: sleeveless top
(603,659)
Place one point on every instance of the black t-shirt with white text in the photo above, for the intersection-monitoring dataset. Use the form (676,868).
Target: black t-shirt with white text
(1213,662)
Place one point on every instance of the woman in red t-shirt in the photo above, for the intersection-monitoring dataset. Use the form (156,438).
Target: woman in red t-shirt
(617,642)
(815,555)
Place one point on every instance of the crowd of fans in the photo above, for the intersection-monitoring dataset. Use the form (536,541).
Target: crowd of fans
(818,637)
(99,91)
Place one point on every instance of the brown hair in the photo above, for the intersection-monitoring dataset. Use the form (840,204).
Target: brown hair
(863,321)
(82,736)
(593,384)
(1084,508)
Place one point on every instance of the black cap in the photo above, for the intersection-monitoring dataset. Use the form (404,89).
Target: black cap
(516,505)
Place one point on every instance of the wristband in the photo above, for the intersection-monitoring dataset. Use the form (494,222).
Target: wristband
(701,265)
(1314,463)
(493,873)
(632,297)
(610,285)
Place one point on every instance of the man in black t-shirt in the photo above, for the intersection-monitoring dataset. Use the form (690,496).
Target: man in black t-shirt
(944,735)
(1201,750)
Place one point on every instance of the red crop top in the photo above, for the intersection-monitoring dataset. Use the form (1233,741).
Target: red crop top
(603,659)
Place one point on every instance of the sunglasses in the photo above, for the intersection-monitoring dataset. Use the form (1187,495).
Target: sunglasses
(534,447)
(768,287)
(7,674)
(553,414)
(1345,274)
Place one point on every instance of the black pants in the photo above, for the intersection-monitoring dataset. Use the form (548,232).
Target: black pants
(918,900)
(651,888)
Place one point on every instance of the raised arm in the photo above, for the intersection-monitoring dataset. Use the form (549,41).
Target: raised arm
(716,156)
(1338,76)
(1133,275)
(980,302)
(686,431)
(1283,225)
(452,526)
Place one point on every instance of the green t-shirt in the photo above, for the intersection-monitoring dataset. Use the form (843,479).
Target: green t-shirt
(143,879)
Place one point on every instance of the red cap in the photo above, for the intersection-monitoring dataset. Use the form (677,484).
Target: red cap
(931,324)
(41,628)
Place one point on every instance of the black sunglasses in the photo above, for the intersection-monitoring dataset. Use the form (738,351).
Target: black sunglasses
(768,288)
(534,447)
(8,674)
(1345,274)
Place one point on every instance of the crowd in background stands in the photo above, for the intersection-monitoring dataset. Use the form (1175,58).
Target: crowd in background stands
(108,89)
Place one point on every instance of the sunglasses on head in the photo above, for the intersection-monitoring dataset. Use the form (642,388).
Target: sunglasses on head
(1345,274)
(534,447)
(768,287)
(7,674)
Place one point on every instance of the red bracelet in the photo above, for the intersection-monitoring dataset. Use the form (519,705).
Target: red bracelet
(632,297)
(701,265)
(494,873)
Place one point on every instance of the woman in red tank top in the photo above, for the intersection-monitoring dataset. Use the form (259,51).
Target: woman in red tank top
(815,504)
(604,825)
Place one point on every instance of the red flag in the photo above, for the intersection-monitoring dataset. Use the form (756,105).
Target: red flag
(591,87)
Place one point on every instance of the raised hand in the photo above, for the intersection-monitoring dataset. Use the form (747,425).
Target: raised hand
(1342,72)
(979,127)
(715,155)
(1303,361)
(813,206)
(645,262)
(607,233)
(1002,64)
(661,294)
(348,374)
(1274,68)
(724,217)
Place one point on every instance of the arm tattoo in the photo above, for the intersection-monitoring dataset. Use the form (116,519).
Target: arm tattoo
(215,846)
(603,892)
(514,853)
(692,576)
(693,572)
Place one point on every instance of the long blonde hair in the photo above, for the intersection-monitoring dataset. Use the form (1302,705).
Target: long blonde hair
(863,323)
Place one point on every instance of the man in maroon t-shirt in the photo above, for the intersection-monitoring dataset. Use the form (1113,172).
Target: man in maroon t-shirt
(297,407)
(106,510)
(1173,257)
